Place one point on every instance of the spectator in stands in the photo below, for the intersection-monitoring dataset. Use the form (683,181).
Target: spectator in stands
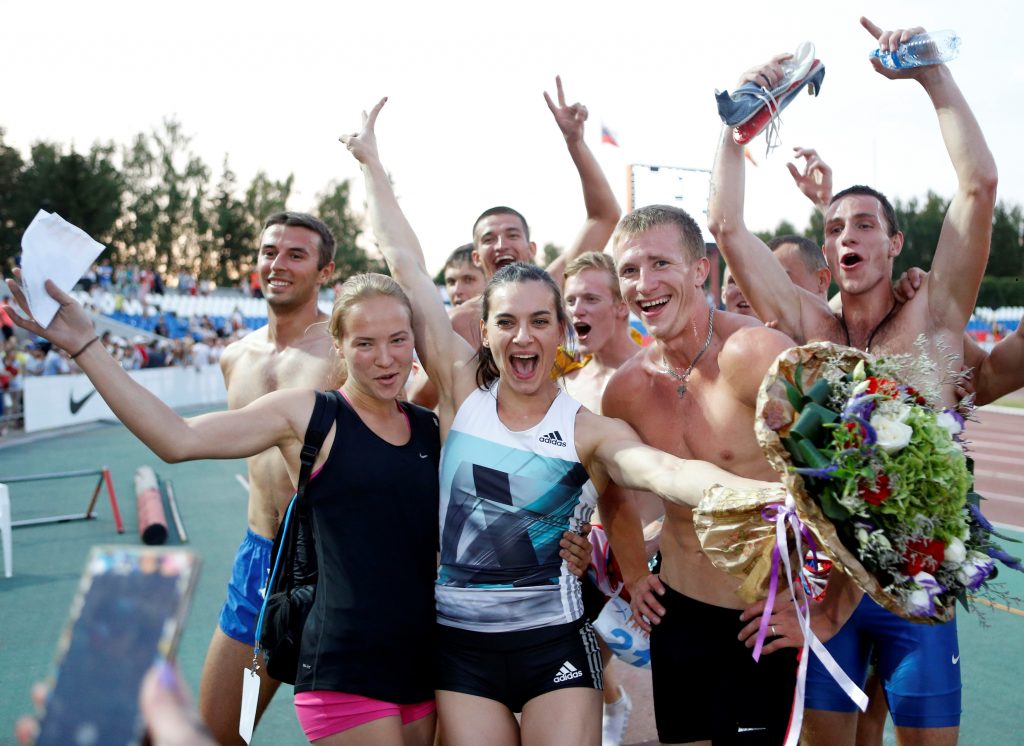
(157,356)
(201,350)
(161,327)
(55,362)
(34,363)
(105,275)
(5,324)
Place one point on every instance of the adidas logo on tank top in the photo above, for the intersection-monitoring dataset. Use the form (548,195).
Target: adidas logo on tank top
(553,438)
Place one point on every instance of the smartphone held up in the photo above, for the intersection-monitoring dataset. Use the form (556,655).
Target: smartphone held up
(127,614)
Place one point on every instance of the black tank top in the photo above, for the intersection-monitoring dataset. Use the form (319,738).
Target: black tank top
(371,629)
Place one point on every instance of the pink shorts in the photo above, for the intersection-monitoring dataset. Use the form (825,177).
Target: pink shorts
(323,713)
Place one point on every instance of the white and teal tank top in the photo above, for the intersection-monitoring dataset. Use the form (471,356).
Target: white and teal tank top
(506,498)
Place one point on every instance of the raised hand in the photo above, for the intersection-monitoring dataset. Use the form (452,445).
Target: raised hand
(889,41)
(363,144)
(768,74)
(70,329)
(569,119)
(815,181)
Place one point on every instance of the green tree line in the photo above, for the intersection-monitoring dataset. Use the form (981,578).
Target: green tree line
(921,223)
(155,202)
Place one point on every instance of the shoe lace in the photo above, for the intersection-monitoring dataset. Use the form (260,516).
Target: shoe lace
(800,65)
(773,129)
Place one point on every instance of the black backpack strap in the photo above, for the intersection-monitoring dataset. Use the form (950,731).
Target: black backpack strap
(325,411)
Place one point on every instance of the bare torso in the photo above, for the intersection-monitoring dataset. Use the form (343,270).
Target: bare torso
(708,423)
(899,334)
(254,366)
(586,385)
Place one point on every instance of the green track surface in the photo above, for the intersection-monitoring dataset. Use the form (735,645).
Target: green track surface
(48,562)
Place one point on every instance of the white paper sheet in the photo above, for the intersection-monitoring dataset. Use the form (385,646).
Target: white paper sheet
(53,249)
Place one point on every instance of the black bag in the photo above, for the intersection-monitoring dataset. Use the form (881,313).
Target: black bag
(291,587)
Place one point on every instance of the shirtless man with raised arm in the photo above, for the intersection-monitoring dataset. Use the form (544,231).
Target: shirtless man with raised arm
(692,393)
(501,235)
(861,240)
(294,350)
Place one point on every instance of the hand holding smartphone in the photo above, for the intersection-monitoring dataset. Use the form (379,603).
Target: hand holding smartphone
(128,613)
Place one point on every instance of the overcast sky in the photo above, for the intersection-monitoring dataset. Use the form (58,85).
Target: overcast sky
(272,85)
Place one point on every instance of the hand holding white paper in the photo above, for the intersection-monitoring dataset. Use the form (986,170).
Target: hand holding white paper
(53,249)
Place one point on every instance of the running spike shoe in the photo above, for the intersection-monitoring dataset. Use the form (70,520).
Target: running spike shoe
(752,108)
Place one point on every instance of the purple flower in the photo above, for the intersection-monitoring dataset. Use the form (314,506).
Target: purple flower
(859,407)
(979,518)
(921,601)
(823,473)
(1007,559)
(974,570)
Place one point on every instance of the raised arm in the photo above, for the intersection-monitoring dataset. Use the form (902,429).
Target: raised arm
(272,420)
(439,348)
(602,208)
(758,273)
(962,251)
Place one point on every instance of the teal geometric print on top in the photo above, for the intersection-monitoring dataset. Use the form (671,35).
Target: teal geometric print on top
(505,514)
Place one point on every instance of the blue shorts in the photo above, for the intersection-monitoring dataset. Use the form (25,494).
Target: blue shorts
(919,665)
(246,588)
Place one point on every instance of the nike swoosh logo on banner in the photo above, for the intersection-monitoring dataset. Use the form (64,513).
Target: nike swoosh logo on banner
(76,405)
(956,659)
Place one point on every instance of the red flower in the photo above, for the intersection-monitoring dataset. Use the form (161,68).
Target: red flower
(923,554)
(880,492)
(882,386)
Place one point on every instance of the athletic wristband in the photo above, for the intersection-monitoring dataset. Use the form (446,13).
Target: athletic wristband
(84,347)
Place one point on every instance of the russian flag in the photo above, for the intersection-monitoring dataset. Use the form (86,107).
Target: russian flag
(608,136)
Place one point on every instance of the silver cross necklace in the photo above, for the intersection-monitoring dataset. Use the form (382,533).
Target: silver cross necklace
(681,377)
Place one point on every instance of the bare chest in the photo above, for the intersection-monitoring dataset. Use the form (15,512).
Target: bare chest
(587,386)
(254,375)
(705,422)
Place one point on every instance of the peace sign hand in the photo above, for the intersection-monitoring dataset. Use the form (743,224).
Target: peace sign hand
(569,119)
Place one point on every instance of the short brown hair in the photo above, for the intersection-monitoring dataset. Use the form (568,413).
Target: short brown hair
(645,218)
(599,261)
(305,220)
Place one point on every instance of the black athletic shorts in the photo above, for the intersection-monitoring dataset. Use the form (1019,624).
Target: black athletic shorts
(707,685)
(514,667)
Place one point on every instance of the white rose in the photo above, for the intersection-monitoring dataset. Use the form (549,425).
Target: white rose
(948,421)
(892,435)
(955,551)
(859,372)
(861,387)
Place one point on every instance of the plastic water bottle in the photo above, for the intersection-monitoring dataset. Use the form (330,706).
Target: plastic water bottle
(929,48)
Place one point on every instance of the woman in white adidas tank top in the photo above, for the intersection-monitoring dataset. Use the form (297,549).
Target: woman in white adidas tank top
(522,462)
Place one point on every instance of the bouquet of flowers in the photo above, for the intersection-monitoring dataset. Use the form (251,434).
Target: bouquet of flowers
(879,476)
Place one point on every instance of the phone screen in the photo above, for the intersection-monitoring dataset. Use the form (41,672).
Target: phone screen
(128,612)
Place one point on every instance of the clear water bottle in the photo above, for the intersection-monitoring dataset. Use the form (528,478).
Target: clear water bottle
(929,48)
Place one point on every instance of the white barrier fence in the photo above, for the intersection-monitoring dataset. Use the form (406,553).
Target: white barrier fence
(57,401)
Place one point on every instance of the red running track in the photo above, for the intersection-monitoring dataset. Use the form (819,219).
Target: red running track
(996,442)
